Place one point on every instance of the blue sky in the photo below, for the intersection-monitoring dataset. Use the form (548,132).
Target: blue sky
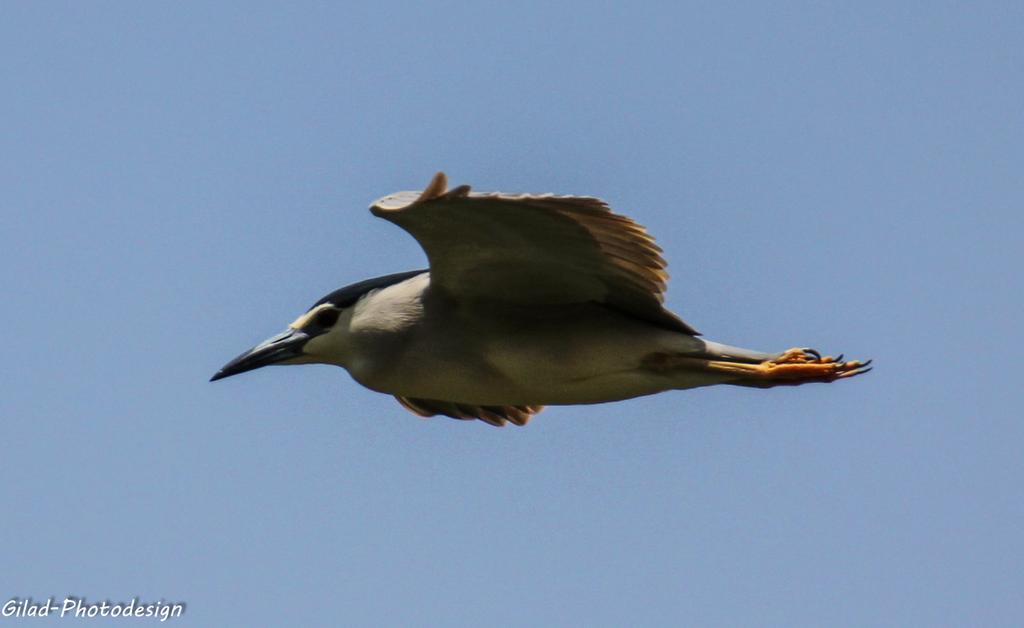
(181,180)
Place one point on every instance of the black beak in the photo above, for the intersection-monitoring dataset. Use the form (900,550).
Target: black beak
(281,347)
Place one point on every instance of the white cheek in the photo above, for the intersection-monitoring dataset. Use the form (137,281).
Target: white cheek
(332,347)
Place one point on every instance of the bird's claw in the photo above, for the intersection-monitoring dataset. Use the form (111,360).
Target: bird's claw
(810,351)
(808,364)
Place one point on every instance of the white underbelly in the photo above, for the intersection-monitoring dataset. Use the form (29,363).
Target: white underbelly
(595,361)
(601,368)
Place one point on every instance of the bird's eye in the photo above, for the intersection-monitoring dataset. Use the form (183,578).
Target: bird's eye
(326,318)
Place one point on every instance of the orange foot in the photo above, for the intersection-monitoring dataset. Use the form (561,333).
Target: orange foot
(793,367)
(801,365)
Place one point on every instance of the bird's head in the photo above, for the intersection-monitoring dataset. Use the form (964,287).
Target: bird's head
(319,336)
(314,337)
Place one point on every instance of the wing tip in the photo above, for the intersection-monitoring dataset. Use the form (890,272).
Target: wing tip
(437,187)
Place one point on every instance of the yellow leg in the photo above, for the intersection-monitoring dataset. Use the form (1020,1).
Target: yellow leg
(795,366)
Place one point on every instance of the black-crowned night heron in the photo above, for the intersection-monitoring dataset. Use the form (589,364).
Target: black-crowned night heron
(530,300)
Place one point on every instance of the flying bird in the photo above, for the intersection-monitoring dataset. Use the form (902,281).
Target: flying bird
(530,300)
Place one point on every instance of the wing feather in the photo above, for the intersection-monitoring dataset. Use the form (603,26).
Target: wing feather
(497,416)
(534,249)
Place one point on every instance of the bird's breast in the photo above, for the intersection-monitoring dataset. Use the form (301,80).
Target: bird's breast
(505,355)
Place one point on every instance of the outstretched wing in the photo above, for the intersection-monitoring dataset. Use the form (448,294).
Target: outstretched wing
(495,415)
(533,249)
